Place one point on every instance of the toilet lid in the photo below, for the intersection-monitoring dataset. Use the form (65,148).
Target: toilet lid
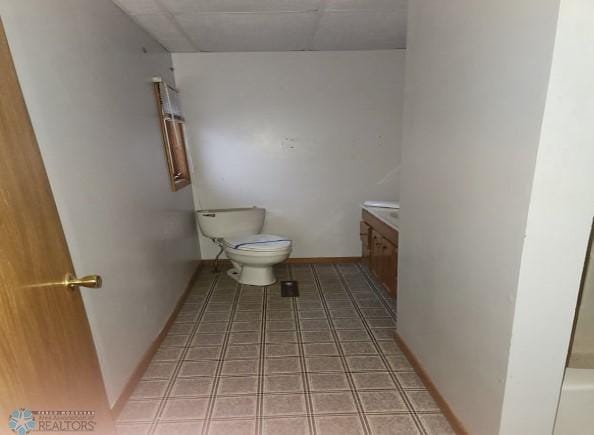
(258,242)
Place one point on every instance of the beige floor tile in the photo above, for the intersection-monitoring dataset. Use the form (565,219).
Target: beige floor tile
(358,348)
(286,426)
(240,367)
(320,349)
(352,335)
(159,370)
(197,368)
(280,315)
(149,389)
(339,425)
(331,403)
(179,428)
(240,406)
(250,326)
(366,363)
(328,382)
(282,350)
(436,424)
(373,380)
(133,429)
(242,351)
(244,338)
(283,383)
(317,337)
(409,380)
(324,364)
(282,365)
(422,401)
(355,324)
(168,354)
(184,409)
(203,352)
(392,425)
(314,325)
(312,314)
(284,404)
(382,401)
(208,339)
(232,427)
(139,411)
(192,387)
(212,327)
(277,337)
(238,385)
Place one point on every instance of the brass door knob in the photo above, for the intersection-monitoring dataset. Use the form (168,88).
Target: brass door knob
(90,281)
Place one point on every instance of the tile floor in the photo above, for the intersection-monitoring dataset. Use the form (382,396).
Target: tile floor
(244,360)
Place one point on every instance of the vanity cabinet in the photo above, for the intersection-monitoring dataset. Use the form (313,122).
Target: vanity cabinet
(379,243)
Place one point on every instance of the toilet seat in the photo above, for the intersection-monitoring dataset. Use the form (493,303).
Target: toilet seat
(258,243)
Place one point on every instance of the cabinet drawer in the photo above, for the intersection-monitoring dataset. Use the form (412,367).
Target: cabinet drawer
(378,226)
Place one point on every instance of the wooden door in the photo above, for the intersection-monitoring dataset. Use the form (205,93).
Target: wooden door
(47,357)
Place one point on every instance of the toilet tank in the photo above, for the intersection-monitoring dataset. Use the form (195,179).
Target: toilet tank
(231,222)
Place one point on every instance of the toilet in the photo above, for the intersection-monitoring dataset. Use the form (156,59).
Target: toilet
(237,232)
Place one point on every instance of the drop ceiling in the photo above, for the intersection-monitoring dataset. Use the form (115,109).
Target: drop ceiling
(271,25)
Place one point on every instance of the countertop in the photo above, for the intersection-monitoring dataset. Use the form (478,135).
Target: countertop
(385,215)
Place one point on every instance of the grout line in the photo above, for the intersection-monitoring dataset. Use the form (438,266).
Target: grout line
(283,416)
(215,384)
(330,284)
(173,377)
(261,364)
(386,363)
(353,388)
(306,387)
(377,291)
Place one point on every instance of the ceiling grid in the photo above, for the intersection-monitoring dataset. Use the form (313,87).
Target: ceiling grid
(271,25)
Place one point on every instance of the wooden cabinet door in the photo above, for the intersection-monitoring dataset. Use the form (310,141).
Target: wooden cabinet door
(385,271)
(380,250)
(377,262)
(392,268)
(365,234)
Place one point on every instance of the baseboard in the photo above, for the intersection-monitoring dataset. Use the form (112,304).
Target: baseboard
(302,260)
(150,352)
(439,399)
(323,260)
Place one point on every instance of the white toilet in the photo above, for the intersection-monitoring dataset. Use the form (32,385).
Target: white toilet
(237,232)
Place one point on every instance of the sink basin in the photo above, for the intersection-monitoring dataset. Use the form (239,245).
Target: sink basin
(394,214)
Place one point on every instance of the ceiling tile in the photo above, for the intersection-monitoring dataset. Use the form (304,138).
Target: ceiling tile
(177,45)
(249,32)
(163,27)
(365,5)
(139,6)
(360,30)
(195,6)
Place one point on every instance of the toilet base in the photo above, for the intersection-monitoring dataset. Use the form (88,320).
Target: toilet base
(250,275)
(233,273)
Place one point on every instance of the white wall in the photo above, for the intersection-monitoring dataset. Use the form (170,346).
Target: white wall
(86,82)
(476,81)
(559,223)
(308,135)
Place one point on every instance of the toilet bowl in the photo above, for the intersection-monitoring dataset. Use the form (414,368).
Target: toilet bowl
(237,231)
